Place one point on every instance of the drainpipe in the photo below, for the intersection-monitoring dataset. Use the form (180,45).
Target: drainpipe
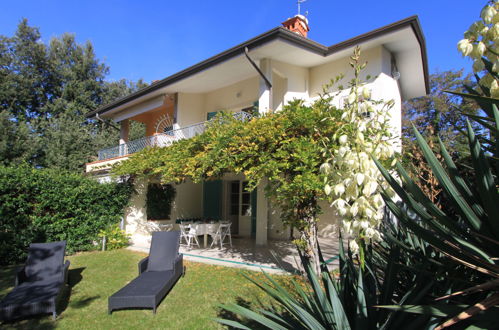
(267,82)
(107,123)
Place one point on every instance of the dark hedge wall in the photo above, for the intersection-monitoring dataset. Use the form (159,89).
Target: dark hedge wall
(47,205)
(159,201)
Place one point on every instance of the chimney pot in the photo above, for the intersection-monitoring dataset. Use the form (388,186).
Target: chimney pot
(297,24)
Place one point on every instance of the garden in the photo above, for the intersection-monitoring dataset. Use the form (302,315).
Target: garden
(94,276)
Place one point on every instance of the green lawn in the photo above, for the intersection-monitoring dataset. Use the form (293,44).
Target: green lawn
(94,276)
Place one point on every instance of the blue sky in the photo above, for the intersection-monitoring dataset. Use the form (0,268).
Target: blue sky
(153,39)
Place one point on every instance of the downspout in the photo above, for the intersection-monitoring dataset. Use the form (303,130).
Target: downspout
(267,82)
(106,123)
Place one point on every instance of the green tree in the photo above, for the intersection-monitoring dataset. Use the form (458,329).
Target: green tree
(17,144)
(48,88)
(435,114)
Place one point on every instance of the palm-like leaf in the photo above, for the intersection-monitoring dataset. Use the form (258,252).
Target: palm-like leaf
(466,234)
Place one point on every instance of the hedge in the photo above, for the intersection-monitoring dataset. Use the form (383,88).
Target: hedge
(42,205)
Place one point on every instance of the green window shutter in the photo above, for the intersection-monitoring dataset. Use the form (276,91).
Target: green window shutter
(212,199)
(256,106)
(211,115)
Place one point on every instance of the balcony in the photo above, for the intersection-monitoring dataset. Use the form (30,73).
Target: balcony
(160,139)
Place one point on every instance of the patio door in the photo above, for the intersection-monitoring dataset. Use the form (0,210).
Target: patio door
(241,208)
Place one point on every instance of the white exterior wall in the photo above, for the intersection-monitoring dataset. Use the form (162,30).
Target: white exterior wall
(322,74)
(386,88)
(190,109)
(297,80)
(276,229)
(233,97)
(135,214)
(328,224)
(188,201)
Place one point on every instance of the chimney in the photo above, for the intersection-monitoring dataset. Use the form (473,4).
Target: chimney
(297,24)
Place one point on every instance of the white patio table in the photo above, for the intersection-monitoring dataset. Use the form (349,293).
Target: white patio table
(205,229)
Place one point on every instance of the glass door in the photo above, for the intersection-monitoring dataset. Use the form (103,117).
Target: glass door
(241,208)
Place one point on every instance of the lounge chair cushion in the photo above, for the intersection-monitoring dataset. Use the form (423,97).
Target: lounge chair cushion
(147,284)
(45,260)
(32,292)
(164,250)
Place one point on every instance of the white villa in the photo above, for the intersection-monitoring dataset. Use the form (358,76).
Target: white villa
(263,73)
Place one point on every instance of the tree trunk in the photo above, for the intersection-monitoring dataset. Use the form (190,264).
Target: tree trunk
(311,252)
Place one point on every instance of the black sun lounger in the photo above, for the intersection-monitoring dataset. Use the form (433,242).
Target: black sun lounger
(38,284)
(158,273)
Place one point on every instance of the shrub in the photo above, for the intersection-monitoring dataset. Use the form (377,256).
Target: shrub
(115,237)
(48,205)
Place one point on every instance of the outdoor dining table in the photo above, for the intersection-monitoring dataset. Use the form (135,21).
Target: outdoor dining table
(204,229)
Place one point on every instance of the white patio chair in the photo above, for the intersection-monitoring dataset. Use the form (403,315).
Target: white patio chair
(222,233)
(184,231)
(212,230)
(192,237)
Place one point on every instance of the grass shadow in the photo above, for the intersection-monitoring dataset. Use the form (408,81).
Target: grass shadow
(84,302)
(74,277)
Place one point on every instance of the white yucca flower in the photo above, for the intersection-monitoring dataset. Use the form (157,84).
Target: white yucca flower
(339,189)
(487,14)
(354,247)
(354,209)
(325,168)
(369,188)
(351,97)
(342,151)
(366,93)
(478,50)
(368,212)
(327,189)
(343,139)
(359,178)
(370,232)
(465,47)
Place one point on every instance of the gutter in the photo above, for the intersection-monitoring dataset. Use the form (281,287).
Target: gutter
(106,123)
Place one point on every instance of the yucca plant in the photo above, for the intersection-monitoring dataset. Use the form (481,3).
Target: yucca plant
(326,301)
(466,232)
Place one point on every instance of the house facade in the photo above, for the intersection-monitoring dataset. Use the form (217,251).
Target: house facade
(261,74)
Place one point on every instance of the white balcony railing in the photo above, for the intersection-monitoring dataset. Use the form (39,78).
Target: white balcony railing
(162,139)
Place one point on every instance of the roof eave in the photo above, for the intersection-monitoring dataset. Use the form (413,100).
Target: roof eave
(286,35)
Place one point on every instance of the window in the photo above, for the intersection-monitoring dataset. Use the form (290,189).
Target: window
(234,198)
(245,200)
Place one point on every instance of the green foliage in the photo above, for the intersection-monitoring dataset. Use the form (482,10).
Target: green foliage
(45,92)
(116,238)
(159,201)
(282,147)
(463,236)
(16,140)
(345,301)
(49,205)
(435,114)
